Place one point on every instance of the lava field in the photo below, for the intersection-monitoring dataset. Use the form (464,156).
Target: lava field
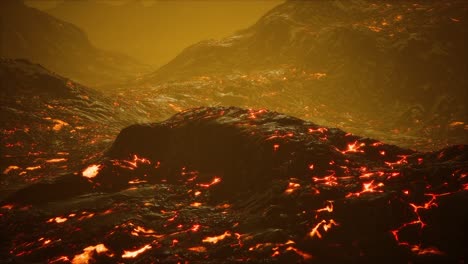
(324,132)
(229,185)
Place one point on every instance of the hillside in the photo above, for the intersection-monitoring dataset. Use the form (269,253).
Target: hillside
(51,124)
(398,63)
(28,33)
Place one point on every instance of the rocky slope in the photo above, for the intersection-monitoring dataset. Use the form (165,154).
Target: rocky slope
(28,33)
(50,124)
(361,45)
(399,65)
(228,185)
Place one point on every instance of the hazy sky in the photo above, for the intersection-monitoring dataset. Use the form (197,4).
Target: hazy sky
(153,31)
(47,4)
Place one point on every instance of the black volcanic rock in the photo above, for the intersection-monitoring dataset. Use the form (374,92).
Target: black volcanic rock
(27,33)
(247,146)
(228,185)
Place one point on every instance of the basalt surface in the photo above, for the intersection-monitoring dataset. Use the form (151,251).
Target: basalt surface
(227,185)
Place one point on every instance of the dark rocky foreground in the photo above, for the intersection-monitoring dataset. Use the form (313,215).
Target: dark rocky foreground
(224,185)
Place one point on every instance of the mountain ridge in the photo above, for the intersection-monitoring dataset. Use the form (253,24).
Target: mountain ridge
(31,34)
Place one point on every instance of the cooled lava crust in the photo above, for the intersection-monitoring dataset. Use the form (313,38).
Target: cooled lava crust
(230,185)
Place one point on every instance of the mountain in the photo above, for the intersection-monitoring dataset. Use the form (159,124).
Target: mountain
(232,185)
(401,64)
(398,48)
(60,46)
(298,32)
(155,33)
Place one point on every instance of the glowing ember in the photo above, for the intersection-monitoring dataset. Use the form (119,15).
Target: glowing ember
(278,135)
(330,180)
(137,160)
(59,124)
(8,206)
(87,255)
(399,162)
(91,171)
(328,208)
(215,180)
(57,219)
(195,228)
(174,242)
(60,259)
(304,255)
(223,206)
(199,249)
(33,168)
(292,187)
(215,239)
(325,225)
(276,147)
(369,187)
(134,163)
(426,251)
(142,230)
(10,168)
(253,113)
(56,160)
(354,148)
(318,130)
(137,181)
(134,253)
(85,215)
